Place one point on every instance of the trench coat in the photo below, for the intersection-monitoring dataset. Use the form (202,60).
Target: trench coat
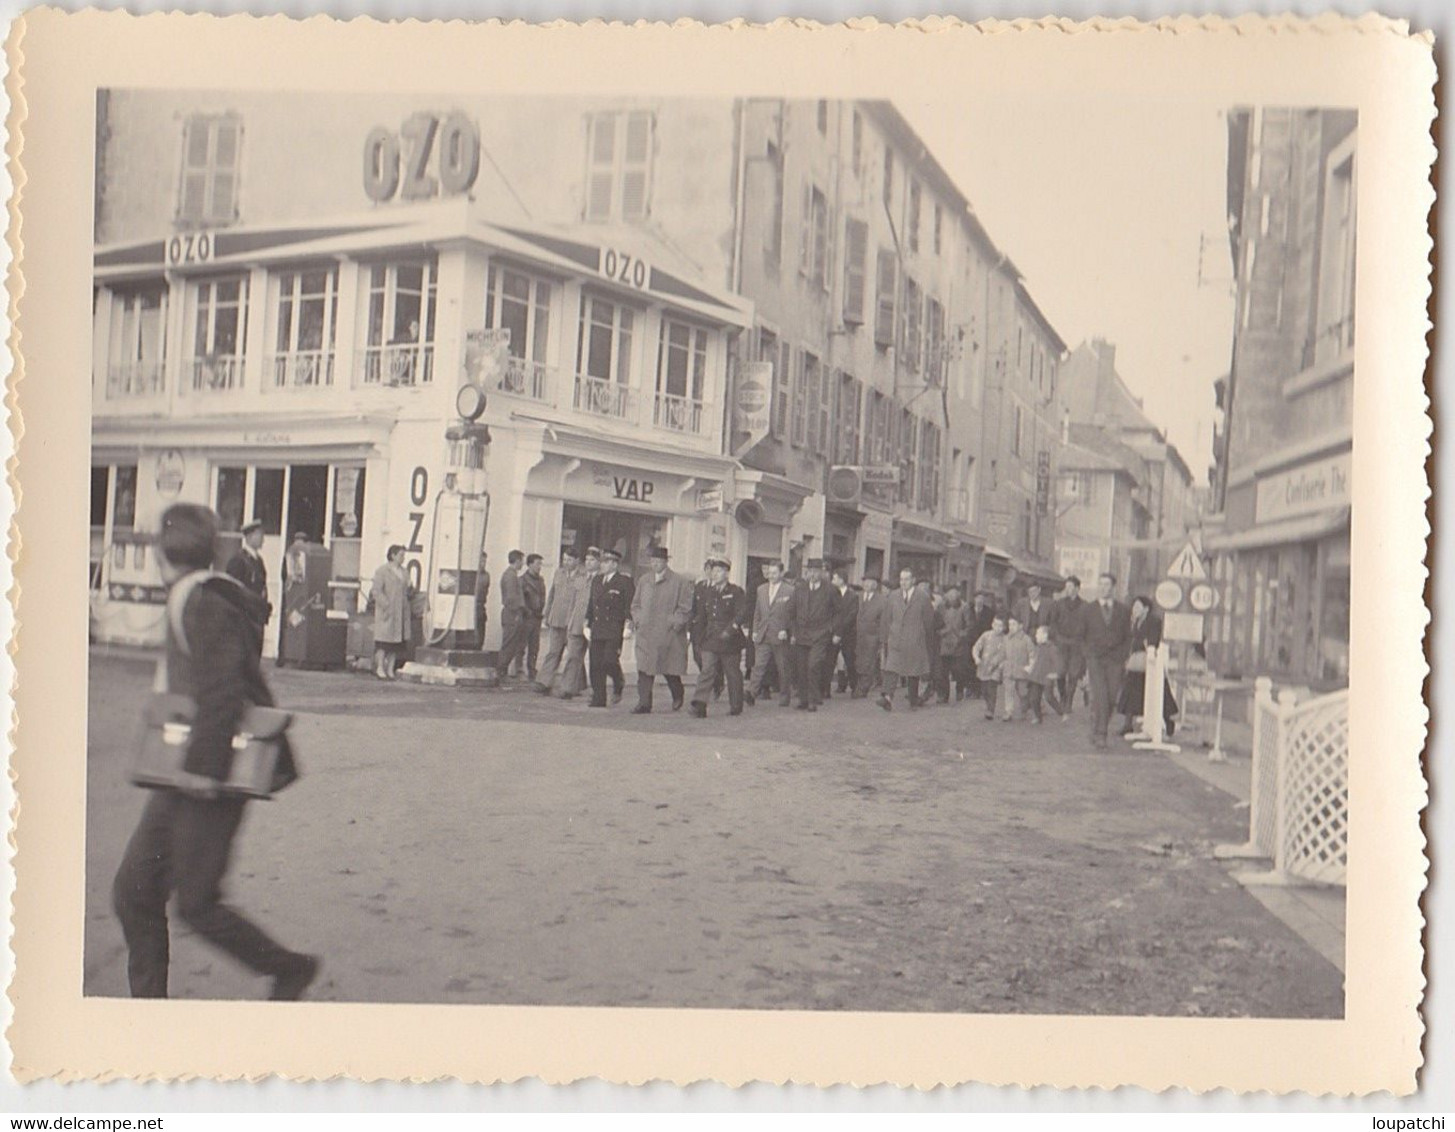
(390,599)
(908,629)
(661,612)
(869,630)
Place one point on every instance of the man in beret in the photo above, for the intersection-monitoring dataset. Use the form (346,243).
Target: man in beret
(248,567)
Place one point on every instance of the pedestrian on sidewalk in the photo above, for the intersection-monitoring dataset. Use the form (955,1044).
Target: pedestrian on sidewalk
(868,636)
(661,615)
(248,567)
(989,657)
(184,838)
(573,667)
(909,628)
(1068,633)
(556,617)
(1108,638)
(482,602)
(811,614)
(720,627)
(1042,674)
(771,624)
(1013,684)
(390,598)
(608,612)
(1146,632)
(533,591)
(954,629)
(512,615)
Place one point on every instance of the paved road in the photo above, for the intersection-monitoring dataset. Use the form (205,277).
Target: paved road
(494,847)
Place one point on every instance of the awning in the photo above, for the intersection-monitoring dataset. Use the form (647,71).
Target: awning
(1283,532)
(1035,572)
(996,552)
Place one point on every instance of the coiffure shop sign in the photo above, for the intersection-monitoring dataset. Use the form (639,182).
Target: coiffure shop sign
(1315,486)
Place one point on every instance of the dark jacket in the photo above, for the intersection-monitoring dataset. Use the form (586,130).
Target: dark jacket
(1146,635)
(221,673)
(252,572)
(1033,619)
(533,591)
(720,619)
(1107,638)
(811,613)
(846,620)
(610,606)
(1067,622)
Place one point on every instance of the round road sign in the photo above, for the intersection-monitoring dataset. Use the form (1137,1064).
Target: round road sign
(1169,594)
(1203,597)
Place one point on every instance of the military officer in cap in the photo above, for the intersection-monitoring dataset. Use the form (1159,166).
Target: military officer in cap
(720,629)
(608,614)
(248,567)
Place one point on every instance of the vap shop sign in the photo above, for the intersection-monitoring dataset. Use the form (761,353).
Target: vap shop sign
(625,487)
(428,156)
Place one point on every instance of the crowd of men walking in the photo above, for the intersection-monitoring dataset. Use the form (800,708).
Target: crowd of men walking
(800,638)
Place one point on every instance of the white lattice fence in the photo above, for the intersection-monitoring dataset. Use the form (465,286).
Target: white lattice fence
(1313,838)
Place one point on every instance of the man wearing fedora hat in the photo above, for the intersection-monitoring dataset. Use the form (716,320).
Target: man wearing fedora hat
(661,613)
(720,629)
(813,609)
(248,567)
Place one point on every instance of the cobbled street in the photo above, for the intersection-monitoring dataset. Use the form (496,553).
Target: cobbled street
(496,847)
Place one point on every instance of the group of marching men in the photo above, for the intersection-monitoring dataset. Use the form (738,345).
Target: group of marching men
(792,634)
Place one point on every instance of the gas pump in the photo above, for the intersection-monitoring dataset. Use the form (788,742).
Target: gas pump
(461,515)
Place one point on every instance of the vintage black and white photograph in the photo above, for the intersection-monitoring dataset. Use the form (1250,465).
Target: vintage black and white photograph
(738,552)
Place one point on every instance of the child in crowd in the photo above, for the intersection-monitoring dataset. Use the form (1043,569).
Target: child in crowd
(1042,674)
(989,657)
(1014,680)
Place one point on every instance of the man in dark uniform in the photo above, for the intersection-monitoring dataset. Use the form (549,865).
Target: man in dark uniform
(608,611)
(812,611)
(846,622)
(720,629)
(699,589)
(248,567)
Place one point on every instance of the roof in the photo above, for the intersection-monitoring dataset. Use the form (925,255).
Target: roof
(1108,448)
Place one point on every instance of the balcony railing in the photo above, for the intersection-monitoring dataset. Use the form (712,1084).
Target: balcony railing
(300,371)
(218,373)
(679,414)
(525,378)
(135,379)
(605,398)
(406,364)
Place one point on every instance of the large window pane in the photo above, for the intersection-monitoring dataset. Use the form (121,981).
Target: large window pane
(231,497)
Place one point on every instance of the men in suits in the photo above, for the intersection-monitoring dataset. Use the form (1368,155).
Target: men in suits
(248,567)
(909,627)
(720,629)
(770,634)
(844,636)
(512,614)
(869,612)
(533,591)
(661,614)
(1068,633)
(812,611)
(557,619)
(1107,637)
(607,613)
(1034,611)
(573,668)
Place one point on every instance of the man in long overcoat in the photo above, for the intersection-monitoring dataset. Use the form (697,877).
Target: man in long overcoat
(533,590)
(661,615)
(573,667)
(607,612)
(871,607)
(909,624)
(954,647)
(557,619)
(719,627)
(1108,640)
(770,634)
(811,613)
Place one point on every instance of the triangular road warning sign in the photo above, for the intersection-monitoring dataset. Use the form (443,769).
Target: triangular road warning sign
(1187,566)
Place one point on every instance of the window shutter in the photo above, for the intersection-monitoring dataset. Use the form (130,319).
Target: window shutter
(825,407)
(805,231)
(781,390)
(856,250)
(636,166)
(884,312)
(600,166)
(811,380)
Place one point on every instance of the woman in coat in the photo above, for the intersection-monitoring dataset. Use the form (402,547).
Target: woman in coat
(909,625)
(389,597)
(1146,633)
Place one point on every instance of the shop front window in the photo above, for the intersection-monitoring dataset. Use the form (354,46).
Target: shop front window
(399,347)
(604,359)
(1333,648)
(521,304)
(113,506)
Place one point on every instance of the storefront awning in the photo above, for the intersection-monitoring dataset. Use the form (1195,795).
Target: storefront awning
(997,552)
(1283,532)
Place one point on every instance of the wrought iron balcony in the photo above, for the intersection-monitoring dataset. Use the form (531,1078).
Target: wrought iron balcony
(408,363)
(300,371)
(605,398)
(136,379)
(535,381)
(216,374)
(679,414)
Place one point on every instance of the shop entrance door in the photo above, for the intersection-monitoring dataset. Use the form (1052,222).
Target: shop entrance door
(630,534)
